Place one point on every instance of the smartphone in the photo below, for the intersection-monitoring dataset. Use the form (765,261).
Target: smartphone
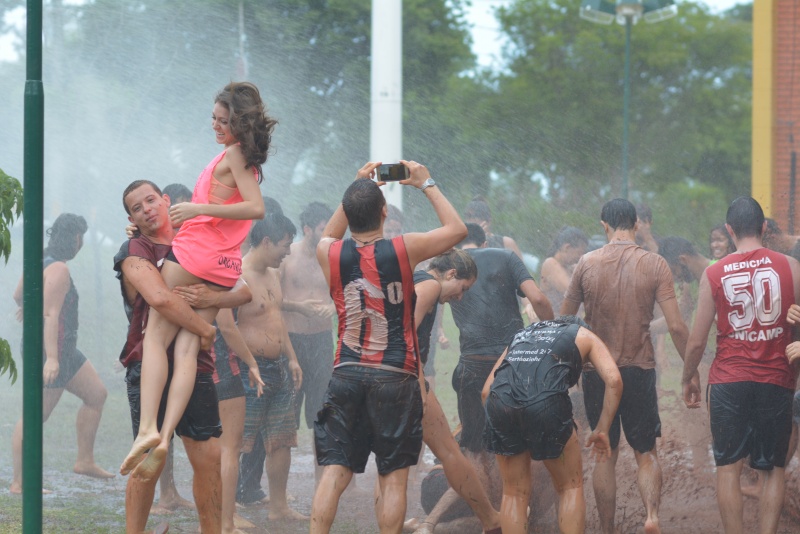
(393,172)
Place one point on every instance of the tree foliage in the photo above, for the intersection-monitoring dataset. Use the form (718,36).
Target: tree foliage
(553,117)
(130,86)
(10,209)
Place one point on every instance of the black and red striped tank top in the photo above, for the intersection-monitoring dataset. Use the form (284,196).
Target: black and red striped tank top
(373,289)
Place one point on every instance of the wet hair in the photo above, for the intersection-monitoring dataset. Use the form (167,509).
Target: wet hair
(573,319)
(672,247)
(455,259)
(745,217)
(136,184)
(393,213)
(315,213)
(249,122)
(568,235)
(475,236)
(61,246)
(644,213)
(271,205)
(274,226)
(363,205)
(619,214)
(177,192)
(724,231)
(478,210)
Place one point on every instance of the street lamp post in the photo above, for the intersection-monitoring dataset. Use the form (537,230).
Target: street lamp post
(627,12)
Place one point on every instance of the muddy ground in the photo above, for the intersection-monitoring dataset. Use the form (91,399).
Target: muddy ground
(79,504)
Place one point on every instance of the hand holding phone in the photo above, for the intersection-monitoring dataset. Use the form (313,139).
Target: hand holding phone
(393,172)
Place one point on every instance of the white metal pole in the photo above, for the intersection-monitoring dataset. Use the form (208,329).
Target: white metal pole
(386,87)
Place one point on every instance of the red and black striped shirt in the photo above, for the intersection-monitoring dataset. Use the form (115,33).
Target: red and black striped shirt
(373,290)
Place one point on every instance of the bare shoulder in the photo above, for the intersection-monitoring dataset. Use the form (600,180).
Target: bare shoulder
(585,340)
(324,245)
(550,264)
(234,154)
(57,271)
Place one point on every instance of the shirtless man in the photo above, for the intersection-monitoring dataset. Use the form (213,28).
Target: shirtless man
(307,310)
(137,265)
(263,329)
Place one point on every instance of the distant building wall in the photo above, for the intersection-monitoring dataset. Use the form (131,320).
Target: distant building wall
(776,108)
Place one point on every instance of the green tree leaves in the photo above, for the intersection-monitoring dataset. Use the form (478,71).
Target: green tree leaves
(10,209)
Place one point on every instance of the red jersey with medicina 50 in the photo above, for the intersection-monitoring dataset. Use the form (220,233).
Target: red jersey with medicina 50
(752,293)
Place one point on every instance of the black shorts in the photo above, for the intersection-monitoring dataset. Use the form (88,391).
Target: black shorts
(315,356)
(638,408)
(200,421)
(69,363)
(468,380)
(370,410)
(751,419)
(229,383)
(542,429)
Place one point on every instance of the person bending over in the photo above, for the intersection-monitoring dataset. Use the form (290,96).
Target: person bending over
(529,416)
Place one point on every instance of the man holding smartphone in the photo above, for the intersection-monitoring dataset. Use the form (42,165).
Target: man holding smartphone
(373,402)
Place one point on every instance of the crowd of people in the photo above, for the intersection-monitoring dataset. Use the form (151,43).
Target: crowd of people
(231,347)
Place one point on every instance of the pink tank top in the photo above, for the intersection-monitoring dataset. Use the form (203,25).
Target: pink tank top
(209,247)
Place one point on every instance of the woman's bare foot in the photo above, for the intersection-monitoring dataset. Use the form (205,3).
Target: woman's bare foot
(140,446)
(288,513)
(16,489)
(92,470)
(150,468)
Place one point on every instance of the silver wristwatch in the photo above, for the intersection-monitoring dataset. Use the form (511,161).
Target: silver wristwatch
(427,183)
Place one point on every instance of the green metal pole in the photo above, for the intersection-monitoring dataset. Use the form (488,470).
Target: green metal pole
(32,276)
(626,104)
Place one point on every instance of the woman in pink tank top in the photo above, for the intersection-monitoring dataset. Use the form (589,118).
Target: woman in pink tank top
(206,250)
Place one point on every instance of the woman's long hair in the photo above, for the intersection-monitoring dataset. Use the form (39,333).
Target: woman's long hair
(250,124)
(62,245)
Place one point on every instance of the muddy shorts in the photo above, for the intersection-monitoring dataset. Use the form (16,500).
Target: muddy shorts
(468,380)
(271,414)
(751,419)
(315,356)
(638,409)
(542,429)
(69,363)
(226,378)
(370,410)
(200,421)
